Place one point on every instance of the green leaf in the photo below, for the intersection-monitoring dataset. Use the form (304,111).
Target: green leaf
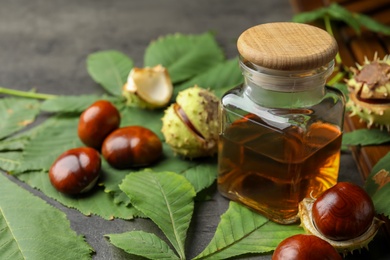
(184,55)
(142,117)
(372,24)
(242,231)
(378,185)
(111,180)
(311,16)
(95,202)
(219,78)
(13,143)
(58,135)
(32,229)
(71,104)
(9,161)
(365,137)
(18,141)
(339,13)
(334,11)
(142,244)
(202,173)
(16,113)
(173,162)
(167,199)
(110,69)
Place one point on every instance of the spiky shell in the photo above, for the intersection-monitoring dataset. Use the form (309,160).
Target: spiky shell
(377,115)
(197,135)
(345,246)
(369,92)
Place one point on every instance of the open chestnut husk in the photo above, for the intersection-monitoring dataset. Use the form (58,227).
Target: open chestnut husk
(131,146)
(148,87)
(369,92)
(343,215)
(76,170)
(190,126)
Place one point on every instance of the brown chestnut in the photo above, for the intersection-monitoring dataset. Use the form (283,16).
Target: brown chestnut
(302,247)
(131,146)
(76,170)
(97,122)
(343,212)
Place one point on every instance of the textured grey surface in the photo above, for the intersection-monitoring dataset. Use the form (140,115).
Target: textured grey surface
(44,45)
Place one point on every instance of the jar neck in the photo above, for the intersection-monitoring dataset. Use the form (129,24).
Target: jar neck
(290,89)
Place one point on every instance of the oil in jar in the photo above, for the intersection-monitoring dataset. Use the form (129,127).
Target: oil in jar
(272,170)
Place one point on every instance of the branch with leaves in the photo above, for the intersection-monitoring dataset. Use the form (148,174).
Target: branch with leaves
(336,13)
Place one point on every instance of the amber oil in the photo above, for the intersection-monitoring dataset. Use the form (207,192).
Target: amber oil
(277,147)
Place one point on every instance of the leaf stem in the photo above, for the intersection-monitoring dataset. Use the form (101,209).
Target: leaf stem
(328,27)
(339,63)
(339,76)
(26,94)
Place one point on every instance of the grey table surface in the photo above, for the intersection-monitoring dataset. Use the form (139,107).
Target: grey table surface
(44,45)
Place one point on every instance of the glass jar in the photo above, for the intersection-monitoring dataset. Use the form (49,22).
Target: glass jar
(280,132)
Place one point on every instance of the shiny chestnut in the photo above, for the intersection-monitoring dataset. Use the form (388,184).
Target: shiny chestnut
(97,122)
(302,247)
(131,146)
(343,212)
(76,170)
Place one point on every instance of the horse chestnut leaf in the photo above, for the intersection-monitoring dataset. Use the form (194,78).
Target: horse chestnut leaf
(131,146)
(76,170)
(302,247)
(97,122)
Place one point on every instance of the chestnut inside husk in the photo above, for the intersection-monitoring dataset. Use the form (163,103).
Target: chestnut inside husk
(347,242)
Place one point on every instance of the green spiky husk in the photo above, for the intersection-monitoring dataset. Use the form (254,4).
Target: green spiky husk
(201,108)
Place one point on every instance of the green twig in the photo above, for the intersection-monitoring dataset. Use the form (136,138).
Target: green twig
(26,94)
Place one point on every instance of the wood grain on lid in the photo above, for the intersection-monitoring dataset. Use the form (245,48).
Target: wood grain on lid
(287,46)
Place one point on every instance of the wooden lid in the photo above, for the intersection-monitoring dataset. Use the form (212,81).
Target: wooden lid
(287,46)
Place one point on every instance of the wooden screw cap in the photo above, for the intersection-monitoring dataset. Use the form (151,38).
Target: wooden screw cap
(287,46)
